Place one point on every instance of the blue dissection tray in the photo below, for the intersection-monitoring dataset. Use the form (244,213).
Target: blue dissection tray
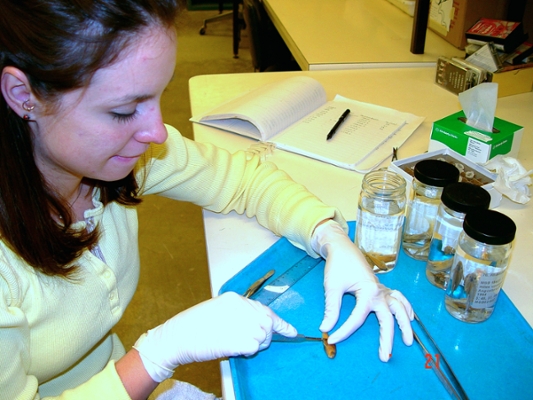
(492,359)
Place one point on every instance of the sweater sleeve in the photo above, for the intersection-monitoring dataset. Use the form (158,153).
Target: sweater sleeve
(104,385)
(222,182)
(16,382)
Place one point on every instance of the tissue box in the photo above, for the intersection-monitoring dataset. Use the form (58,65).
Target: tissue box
(470,171)
(476,145)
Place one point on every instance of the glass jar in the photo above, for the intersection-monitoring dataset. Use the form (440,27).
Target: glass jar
(456,201)
(430,178)
(479,265)
(380,217)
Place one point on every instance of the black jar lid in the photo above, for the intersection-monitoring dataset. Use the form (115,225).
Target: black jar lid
(436,172)
(489,226)
(464,197)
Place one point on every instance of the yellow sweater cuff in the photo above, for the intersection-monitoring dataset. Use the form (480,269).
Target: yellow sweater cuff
(104,385)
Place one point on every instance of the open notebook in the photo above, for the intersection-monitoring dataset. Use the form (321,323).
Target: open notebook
(295,115)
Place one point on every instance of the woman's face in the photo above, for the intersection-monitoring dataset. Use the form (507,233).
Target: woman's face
(100,131)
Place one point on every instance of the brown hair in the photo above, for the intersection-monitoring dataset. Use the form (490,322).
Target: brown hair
(59,45)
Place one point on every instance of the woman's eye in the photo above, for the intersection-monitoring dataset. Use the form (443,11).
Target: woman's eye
(121,117)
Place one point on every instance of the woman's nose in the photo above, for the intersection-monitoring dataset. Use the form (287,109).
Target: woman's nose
(152,130)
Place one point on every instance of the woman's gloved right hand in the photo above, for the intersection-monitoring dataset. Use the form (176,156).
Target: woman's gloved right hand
(225,326)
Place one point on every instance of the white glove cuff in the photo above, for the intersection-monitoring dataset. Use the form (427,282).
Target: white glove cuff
(157,372)
(323,235)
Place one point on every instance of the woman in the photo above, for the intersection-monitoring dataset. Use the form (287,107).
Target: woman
(81,140)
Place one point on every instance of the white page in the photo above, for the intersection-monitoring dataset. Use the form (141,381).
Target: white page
(384,151)
(362,132)
(270,108)
(442,12)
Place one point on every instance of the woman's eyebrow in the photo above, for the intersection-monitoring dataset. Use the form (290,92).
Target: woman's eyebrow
(134,98)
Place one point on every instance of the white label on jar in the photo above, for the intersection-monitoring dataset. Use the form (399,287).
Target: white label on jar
(421,217)
(481,281)
(487,290)
(448,233)
(378,233)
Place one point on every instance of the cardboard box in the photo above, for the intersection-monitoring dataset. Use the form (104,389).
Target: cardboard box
(515,81)
(475,144)
(465,13)
(471,172)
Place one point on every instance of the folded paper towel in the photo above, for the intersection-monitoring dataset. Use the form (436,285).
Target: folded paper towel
(512,179)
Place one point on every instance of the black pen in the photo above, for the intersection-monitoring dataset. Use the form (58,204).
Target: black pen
(337,124)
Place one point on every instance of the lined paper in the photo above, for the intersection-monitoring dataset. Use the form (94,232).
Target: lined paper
(295,115)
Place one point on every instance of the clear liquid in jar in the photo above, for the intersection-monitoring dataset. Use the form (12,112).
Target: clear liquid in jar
(419,228)
(473,287)
(378,236)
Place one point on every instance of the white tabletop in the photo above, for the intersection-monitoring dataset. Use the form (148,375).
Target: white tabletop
(233,241)
(345,34)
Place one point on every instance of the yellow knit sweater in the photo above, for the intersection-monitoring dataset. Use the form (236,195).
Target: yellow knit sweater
(55,336)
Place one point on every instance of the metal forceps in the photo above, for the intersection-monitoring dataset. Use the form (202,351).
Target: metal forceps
(258,283)
(452,384)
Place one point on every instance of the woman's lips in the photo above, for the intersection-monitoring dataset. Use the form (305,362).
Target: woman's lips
(126,158)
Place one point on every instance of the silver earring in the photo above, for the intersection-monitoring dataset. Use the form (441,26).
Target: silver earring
(27,107)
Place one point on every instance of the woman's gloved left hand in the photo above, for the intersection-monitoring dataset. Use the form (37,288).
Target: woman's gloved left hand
(347,271)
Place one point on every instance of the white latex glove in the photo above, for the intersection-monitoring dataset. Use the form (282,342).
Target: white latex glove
(225,326)
(348,272)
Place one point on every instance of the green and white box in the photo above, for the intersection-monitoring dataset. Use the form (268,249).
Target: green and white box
(475,144)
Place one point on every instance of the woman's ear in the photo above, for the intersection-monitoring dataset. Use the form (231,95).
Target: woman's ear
(17,92)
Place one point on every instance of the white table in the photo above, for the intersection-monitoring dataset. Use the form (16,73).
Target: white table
(346,34)
(233,241)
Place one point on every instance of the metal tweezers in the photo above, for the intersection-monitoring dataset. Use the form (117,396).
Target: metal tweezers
(258,283)
(276,337)
(452,384)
